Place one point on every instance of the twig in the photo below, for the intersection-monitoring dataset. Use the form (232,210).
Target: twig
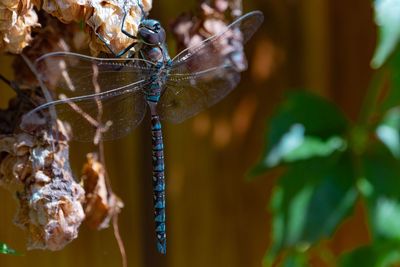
(98,140)
(99,127)
(76,108)
(369,106)
(6,81)
(65,75)
(47,96)
(97,137)
(119,241)
(45,90)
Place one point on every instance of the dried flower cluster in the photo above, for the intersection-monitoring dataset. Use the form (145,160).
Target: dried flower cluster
(36,170)
(103,18)
(53,36)
(101,204)
(106,22)
(191,30)
(66,10)
(16,21)
(34,167)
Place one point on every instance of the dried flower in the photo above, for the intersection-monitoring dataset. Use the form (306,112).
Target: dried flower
(66,10)
(104,19)
(53,36)
(17,18)
(38,173)
(190,31)
(107,20)
(35,168)
(101,203)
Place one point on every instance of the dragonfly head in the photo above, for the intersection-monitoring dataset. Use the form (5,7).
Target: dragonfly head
(151,33)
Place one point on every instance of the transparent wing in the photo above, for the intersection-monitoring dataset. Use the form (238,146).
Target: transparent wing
(202,75)
(208,54)
(105,116)
(187,95)
(73,75)
(92,95)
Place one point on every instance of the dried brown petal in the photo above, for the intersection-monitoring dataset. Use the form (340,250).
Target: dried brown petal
(107,19)
(101,205)
(36,170)
(103,18)
(191,31)
(50,209)
(16,21)
(67,10)
(54,36)
(51,212)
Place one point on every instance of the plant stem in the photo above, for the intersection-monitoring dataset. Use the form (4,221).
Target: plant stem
(369,104)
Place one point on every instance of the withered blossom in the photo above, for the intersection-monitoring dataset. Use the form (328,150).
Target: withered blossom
(17,18)
(53,36)
(34,167)
(103,19)
(66,11)
(37,172)
(101,204)
(107,20)
(189,31)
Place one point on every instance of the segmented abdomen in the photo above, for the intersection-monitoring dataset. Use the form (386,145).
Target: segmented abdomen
(158,182)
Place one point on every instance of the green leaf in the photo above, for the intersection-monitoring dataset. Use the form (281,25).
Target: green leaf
(387,17)
(382,172)
(387,218)
(388,131)
(382,175)
(391,83)
(305,126)
(363,256)
(295,260)
(383,254)
(295,146)
(310,201)
(5,249)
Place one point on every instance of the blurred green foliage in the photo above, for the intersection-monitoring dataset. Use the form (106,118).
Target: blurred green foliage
(330,162)
(5,249)
(387,18)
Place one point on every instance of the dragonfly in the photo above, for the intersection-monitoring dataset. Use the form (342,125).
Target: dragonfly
(122,89)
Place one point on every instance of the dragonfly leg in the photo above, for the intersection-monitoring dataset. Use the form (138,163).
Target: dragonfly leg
(119,54)
(122,27)
(158,183)
(141,9)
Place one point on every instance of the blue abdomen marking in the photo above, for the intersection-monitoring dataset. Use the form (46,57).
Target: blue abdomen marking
(153,98)
(161,227)
(156,126)
(158,182)
(159,187)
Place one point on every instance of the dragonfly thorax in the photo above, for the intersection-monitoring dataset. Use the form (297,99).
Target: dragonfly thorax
(152,37)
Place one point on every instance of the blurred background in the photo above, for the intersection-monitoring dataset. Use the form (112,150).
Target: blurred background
(265,177)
